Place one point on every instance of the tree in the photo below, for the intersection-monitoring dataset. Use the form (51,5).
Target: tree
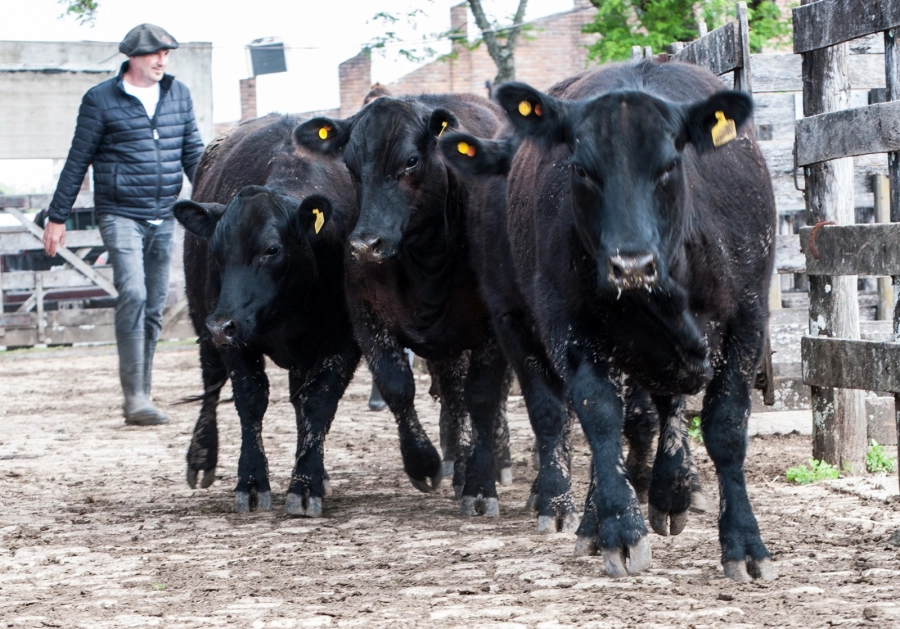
(84,11)
(500,40)
(657,23)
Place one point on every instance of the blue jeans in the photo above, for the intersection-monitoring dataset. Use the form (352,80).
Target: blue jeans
(140,255)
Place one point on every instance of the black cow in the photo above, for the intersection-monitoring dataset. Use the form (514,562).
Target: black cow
(421,277)
(265,278)
(642,225)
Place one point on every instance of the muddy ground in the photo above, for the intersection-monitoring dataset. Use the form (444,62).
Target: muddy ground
(98,528)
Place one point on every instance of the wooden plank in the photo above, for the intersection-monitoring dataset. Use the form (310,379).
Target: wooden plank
(24,240)
(780,72)
(859,131)
(839,415)
(866,365)
(743,80)
(853,250)
(719,51)
(67,255)
(63,278)
(829,22)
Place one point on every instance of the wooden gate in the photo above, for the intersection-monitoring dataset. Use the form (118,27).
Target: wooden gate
(835,363)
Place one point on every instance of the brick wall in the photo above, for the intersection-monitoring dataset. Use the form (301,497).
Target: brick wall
(248,99)
(552,50)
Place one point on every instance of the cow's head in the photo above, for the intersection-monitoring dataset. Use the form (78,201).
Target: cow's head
(262,243)
(389,148)
(629,190)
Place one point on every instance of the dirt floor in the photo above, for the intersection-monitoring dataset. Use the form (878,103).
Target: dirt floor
(99,529)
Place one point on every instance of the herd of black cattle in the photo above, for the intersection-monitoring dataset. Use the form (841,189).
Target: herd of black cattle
(609,242)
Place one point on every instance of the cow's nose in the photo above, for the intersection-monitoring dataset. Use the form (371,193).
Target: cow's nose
(368,248)
(629,272)
(223,331)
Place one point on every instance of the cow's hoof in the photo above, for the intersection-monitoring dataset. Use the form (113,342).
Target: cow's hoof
(424,486)
(192,478)
(504,476)
(562,523)
(638,559)
(299,505)
(457,491)
(209,477)
(264,501)
(699,502)
(242,501)
(533,502)
(447,468)
(749,570)
(585,546)
(326,487)
(472,506)
(664,523)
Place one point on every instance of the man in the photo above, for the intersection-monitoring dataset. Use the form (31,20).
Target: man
(138,131)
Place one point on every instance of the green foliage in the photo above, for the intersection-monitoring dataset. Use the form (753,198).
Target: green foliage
(817,470)
(877,460)
(84,11)
(158,586)
(657,23)
(694,431)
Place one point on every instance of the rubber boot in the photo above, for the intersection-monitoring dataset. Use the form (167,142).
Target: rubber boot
(138,409)
(149,351)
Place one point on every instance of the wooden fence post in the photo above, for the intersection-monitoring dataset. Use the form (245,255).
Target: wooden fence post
(892,85)
(839,418)
(882,192)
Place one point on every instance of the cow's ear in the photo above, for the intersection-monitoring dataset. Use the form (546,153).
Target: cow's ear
(441,121)
(533,113)
(314,212)
(472,156)
(715,121)
(199,218)
(323,135)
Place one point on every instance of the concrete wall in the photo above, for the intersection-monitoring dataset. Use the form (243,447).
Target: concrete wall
(42,83)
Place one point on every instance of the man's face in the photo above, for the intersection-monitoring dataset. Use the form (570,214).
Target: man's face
(150,68)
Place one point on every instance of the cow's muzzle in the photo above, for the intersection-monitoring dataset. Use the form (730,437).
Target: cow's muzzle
(223,330)
(631,272)
(371,249)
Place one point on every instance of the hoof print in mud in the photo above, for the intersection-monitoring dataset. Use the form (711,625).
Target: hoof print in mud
(310,507)
(252,501)
(478,505)
(750,569)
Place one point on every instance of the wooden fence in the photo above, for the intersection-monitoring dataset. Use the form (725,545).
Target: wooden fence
(835,363)
(27,322)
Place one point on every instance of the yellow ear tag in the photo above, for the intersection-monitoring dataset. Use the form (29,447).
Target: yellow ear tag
(466,149)
(724,131)
(323,132)
(320,219)
(525,108)
(443,128)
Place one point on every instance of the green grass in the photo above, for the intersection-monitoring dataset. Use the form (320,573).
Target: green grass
(817,470)
(158,586)
(694,431)
(877,460)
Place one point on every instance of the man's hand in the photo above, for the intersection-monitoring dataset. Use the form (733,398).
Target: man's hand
(54,236)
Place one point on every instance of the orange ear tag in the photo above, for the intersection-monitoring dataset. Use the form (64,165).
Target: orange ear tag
(323,132)
(537,110)
(525,108)
(320,219)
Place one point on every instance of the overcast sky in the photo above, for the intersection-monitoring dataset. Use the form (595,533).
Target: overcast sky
(318,36)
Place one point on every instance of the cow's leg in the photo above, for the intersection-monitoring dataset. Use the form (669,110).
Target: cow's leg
(394,378)
(448,380)
(675,486)
(546,403)
(613,522)
(484,390)
(203,453)
(251,398)
(315,396)
(726,409)
(502,456)
(640,430)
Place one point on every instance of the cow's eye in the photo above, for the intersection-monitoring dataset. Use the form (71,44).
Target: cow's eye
(273,250)
(666,176)
(579,171)
(412,162)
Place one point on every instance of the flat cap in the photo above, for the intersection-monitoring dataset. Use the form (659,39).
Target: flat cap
(145,39)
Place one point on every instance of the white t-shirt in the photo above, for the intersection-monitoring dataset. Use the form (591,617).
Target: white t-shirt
(149,96)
